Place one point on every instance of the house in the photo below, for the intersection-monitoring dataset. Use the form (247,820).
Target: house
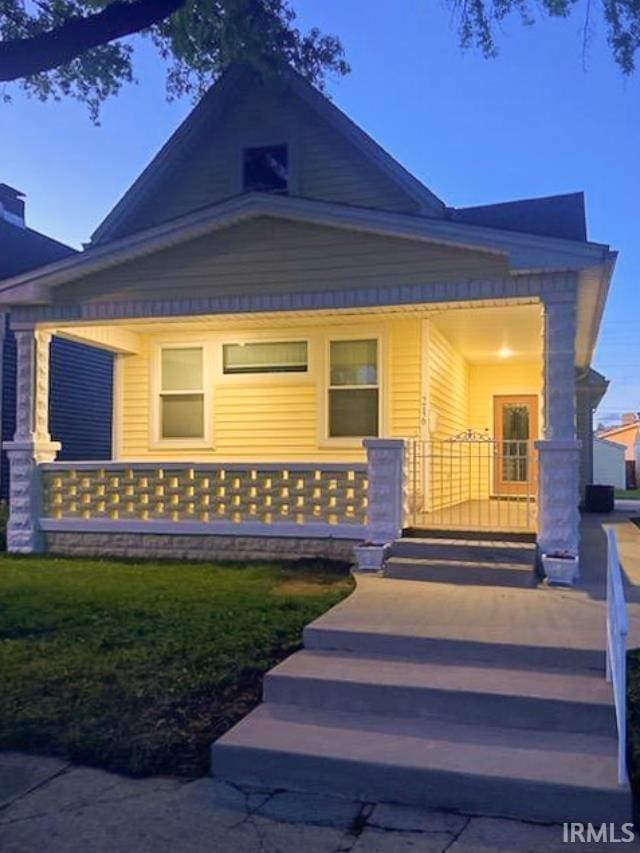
(311,349)
(609,463)
(81,376)
(628,434)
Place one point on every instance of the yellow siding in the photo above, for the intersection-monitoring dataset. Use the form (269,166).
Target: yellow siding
(277,418)
(405,379)
(134,400)
(448,386)
(446,476)
(489,380)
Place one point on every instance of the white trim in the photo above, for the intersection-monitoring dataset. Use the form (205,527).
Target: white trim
(311,530)
(156,441)
(123,464)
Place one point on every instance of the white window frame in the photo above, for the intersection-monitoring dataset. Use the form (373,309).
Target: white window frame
(361,335)
(156,439)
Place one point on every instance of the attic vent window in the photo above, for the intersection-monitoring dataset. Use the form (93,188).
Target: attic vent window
(266,169)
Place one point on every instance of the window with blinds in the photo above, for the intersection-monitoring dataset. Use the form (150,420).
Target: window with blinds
(265,357)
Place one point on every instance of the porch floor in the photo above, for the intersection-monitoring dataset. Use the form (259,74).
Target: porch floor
(495,514)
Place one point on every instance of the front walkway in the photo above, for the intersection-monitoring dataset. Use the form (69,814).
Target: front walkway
(543,617)
(49,805)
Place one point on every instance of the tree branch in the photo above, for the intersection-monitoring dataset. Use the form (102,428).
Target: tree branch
(48,50)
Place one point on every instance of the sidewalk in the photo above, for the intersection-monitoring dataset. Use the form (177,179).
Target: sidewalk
(51,806)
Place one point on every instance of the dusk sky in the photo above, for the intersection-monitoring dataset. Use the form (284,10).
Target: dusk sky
(532,122)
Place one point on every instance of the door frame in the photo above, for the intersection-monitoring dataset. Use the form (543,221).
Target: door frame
(529,487)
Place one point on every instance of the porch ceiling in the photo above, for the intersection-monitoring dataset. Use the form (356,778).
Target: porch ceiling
(494,335)
(477,329)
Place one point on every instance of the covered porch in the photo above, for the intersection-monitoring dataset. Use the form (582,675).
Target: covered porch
(304,432)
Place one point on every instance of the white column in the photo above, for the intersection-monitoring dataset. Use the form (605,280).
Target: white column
(388,489)
(32,443)
(559,451)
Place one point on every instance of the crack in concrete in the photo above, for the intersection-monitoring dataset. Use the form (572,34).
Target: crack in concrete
(456,835)
(42,784)
(79,805)
(358,826)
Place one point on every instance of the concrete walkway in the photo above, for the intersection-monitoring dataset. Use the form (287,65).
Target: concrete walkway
(50,806)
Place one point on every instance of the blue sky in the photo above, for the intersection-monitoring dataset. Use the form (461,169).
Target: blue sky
(531,122)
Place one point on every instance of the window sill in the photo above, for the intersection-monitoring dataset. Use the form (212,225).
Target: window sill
(181,444)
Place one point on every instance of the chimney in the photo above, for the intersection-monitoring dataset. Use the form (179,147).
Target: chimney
(629,418)
(12,205)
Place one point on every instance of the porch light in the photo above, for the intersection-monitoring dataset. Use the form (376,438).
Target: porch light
(505,352)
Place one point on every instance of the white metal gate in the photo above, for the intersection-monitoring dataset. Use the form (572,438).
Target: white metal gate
(473,482)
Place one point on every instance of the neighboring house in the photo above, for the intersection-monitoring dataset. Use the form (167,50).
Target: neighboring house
(628,434)
(81,376)
(609,463)
(312,349)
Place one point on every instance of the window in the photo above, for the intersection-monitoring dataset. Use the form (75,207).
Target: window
(265,357)
(353,389)
(181,393)
(266,169)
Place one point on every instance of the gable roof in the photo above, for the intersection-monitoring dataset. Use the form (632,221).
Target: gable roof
(23,249)
(525,252)
(549,216)
(617,430)
(224,93)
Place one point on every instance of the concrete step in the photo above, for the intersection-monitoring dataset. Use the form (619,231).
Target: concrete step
(444,649)
(526,699)
(470,535)
(457,571)
(466,551)
(534,775)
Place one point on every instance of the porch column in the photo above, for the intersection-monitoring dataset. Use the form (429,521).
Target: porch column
(31,444)
(559,451)
(388,489)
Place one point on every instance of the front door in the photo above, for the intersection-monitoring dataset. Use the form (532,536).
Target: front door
(515,421)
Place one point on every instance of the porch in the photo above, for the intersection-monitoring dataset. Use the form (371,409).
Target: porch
(303,432)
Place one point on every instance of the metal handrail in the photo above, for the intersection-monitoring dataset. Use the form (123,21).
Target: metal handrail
(617,630)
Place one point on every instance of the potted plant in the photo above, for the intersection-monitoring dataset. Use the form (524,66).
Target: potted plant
(560,567)
(369,556)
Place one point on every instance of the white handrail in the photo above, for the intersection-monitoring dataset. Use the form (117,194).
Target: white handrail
(617,629)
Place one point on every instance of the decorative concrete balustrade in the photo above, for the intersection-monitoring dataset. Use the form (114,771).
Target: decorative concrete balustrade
(321,498)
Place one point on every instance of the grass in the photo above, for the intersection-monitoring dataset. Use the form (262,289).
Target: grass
(629,494)
(138,667)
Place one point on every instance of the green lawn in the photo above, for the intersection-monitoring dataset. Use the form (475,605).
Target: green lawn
(137,667)
(630,494)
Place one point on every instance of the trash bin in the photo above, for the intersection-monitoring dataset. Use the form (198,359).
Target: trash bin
(599,499)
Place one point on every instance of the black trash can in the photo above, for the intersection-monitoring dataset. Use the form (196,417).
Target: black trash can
(599,499)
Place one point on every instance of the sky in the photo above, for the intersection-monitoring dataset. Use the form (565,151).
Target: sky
(540,119)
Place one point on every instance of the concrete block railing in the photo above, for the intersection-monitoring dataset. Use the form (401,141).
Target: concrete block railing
(354,501)
(300,499)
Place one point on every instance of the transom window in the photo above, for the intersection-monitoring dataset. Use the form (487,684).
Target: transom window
(266,169)
(182,393)
(354,391)
(265,357)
